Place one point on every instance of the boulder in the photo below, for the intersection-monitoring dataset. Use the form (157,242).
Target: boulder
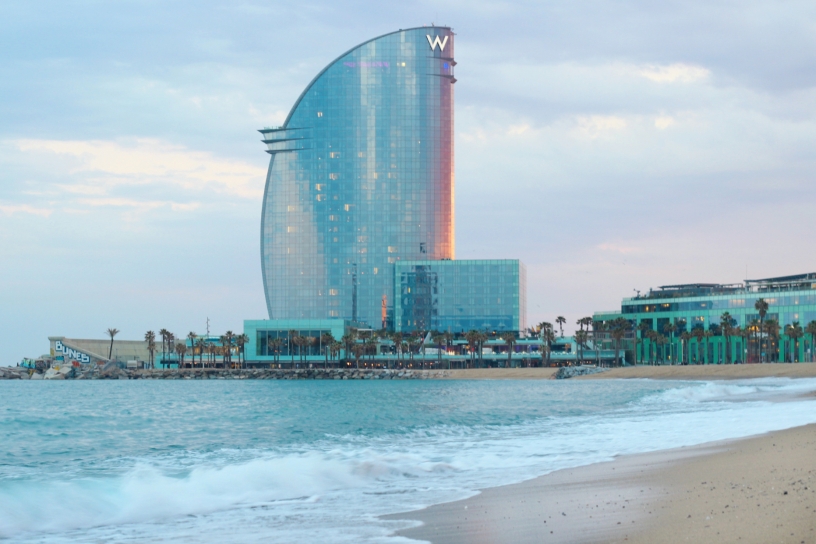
(572,371)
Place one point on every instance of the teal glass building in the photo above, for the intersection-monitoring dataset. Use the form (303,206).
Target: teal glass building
(661,317)
(459,296)
(361,176)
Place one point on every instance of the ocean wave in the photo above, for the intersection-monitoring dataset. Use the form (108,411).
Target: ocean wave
(147,494)
(310,488)
(761,389)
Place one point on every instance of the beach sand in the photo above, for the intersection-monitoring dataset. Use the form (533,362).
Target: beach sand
(692,372)
(709,372)
(755,490)
(500,374)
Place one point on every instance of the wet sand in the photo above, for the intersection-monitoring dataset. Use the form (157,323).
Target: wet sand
(692,372)
(709,372)
(755,490)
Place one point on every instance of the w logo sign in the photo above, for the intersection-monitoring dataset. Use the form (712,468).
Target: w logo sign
(436,41)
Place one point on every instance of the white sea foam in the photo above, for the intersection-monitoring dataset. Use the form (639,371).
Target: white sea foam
(760,389)
(333,489)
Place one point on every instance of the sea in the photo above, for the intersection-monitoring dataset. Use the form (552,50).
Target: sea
(247,461)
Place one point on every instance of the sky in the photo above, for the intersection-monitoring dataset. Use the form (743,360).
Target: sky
(611,145)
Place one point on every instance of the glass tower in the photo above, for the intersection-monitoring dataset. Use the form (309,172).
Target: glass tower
(459,296)
(360,177)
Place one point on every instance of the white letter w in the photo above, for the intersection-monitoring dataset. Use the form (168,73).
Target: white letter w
(436,41)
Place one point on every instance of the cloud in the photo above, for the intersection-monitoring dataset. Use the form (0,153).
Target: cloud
(682,73)
(594,126)
(24,208)
(107,164)
(663,122)
(518,130)
(142,205)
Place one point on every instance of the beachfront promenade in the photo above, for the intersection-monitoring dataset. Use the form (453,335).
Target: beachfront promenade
(693,372)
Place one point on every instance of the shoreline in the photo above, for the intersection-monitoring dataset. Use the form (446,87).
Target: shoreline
(708,372)
(755,489)
(692,372)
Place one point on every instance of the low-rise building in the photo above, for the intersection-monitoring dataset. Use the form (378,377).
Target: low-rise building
(765,320)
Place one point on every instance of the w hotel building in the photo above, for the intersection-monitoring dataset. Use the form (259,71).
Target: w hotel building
(361,178)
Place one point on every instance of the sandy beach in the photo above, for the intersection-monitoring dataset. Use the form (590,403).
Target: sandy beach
(709,372)
(755,490)
(692,372)
(501,374)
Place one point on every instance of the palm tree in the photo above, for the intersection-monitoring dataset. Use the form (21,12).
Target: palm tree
(335,348)
(618,329)
(201,343)
(684,338)
(150,338)
(312,341)
(794,332)
(371,348)
(111,333)
(560,320)
(397,339)
(277,346)
(652,337)
(326,340)
(241,340)
(772,329)
(761,306)
(293,335)
(670,329)
(163,333)
(644,327)
(481,338)
(698,333)
(348,340)
(811,330)
(736,332)
(509,339)
(472,338)
(707,335)
(438,339)
(413,347)
(547,340)
(181,349)
(227,342)
(581,337)
(597,328)
(171,343)
(753,330)
(301,342)
(727,327)
(191,336)
(542,331)
(357,350)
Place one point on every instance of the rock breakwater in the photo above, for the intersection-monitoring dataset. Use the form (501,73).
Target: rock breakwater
(17,373)
(572,371)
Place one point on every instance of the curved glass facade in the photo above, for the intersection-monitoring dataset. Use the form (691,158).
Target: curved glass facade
(361,176)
